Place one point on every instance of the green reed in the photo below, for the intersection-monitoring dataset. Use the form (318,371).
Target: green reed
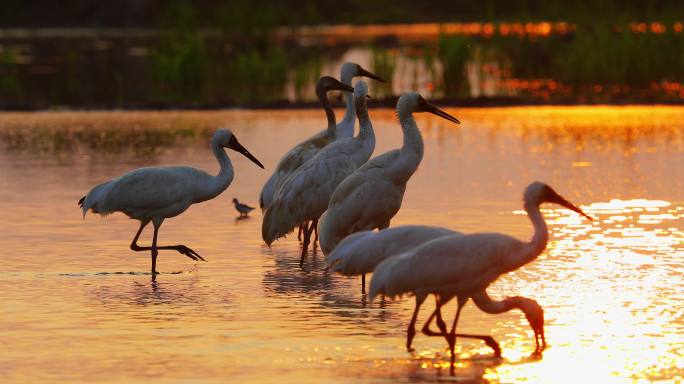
(383,64)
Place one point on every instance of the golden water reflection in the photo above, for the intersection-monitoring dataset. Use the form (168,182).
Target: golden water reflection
(608,305)
(78,306)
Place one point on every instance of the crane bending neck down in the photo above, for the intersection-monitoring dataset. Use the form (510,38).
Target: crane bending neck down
(468,264)
(531,309)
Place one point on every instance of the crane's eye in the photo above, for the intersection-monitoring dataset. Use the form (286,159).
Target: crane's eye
(422,104)
(232,141)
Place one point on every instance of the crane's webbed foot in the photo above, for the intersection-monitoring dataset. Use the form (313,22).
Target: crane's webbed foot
(182,249)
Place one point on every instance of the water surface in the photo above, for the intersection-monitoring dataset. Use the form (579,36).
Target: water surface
(78,305)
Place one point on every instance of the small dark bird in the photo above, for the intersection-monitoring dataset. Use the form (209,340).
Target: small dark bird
(244,209)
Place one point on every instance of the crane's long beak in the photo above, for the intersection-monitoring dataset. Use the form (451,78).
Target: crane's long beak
(364,73)
(560,200)
(237,147)
(427,107)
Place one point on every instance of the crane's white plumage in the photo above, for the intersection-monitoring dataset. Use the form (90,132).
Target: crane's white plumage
(372,195)
(156,193)
(464,265)
(305,150)
(361,252)
(466,262)
(305,194)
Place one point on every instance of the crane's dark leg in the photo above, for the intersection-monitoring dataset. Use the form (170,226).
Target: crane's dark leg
(299,233)
(305,246)
(443,331)
(154,250)
(363,283)
(411,331)
(315,230)
(182,249)
(440,321)
(491,343)
(134,243)
(451,339)
(312,229)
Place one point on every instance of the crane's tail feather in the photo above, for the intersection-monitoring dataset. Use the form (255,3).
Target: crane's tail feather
(278,222)
(95,199)
(349,255)
(325,234)
(390,276)
(266,196)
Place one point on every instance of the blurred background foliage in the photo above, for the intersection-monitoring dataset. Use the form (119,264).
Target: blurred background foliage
(217,53)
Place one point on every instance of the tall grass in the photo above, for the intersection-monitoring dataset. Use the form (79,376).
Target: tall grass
(454,52)
(10,82)
(180,63)
(258,75)
(383,64)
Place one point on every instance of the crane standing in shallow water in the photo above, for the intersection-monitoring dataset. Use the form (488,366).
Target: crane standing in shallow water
(465,265)
(305,194)
(307,149)
(361,252)
(155,193)
(371,196)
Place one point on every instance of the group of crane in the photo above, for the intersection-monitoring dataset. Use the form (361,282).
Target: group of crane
(327,185)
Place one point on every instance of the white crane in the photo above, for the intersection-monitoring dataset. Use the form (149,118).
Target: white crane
(304,195)
(464,265)
(372,195)
(361,252)
(153,194)
(305,150)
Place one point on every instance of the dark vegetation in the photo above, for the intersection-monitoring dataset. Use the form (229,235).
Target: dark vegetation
(602,59)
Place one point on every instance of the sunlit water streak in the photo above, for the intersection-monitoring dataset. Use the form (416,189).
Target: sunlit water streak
(78,305)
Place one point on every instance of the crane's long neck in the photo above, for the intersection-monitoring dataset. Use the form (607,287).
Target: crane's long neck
(346,126)
(329,113)
(536,245)
(487,305)
(366,132)
(412,149)
(220,182)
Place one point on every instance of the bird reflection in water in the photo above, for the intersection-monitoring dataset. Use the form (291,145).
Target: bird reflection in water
(338,297)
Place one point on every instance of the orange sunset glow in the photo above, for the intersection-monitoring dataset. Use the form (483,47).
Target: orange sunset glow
(608,287)
(379,192)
